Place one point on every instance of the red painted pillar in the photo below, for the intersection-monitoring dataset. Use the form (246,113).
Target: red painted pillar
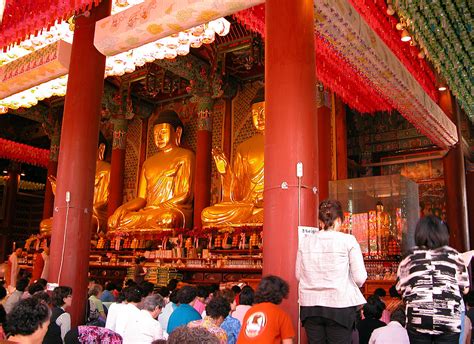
(202,174)
(70,244)
(117,165)
(455,181)
(52,171)
(324,146)
(290,130)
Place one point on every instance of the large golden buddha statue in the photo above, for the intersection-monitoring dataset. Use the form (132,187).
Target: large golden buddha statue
(101,195)
(242,182)
(165,192)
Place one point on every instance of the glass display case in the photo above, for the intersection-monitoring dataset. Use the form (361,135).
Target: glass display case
(381,212)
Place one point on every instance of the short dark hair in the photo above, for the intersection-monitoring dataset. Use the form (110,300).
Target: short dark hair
(393,292)
(146,287)
(192,335)
(272,289)
(43,296)
(130,282)
(59,294)
(163,291)
(380,292)
(227,294)
(329,211)
(133,294)
(399,315)
(246,296)
(140,259)
(174,296)
(22,284)
(469,298)
(34,288)
(3,292)
(219,306)
(236,289)
(431,233)
(110,286)
(42,281)
(202,291)
(172,284)
(187,294)
(374,307)
(27,316)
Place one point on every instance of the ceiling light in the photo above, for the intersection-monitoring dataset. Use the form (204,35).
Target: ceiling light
(405,36)
(5,171)
(22,174)
(442,88)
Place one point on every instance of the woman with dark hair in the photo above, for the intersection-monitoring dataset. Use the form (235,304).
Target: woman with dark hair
(330,270)
(265,322)
(28,321)
(372,313)
(217,310)
(431,280)
(246,298)
(60,322)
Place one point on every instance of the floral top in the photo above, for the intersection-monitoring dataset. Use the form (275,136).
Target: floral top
(98,335)
(232,327)
(209,324)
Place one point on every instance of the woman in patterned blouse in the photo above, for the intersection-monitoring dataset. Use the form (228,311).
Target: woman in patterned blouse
(432,279)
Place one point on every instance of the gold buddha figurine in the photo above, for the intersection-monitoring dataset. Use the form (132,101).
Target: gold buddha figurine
(165,192)
(101,196)
(242,183)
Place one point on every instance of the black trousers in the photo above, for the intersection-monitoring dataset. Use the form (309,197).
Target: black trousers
(321,330)
(423,338)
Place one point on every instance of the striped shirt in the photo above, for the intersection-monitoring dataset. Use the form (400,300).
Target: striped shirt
(431,283)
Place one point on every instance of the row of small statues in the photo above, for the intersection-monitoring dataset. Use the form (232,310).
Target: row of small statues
(166,185)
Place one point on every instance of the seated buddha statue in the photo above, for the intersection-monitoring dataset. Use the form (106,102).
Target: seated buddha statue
(165,192)
(242,182)
(100,200)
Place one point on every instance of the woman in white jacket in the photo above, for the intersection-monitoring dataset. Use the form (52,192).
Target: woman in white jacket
(330,269)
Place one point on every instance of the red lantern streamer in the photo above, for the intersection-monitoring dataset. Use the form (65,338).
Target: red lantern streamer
(23,18)
(23,153)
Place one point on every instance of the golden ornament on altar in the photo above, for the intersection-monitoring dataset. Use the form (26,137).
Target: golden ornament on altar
(165,193)
(242,183)
(101,195)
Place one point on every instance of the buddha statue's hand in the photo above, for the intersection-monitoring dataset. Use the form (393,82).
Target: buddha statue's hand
(118,214)
(222,163)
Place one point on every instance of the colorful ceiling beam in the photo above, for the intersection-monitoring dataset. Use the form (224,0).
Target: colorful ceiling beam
(445,30)
(23,18)
(153,20)
(340,25)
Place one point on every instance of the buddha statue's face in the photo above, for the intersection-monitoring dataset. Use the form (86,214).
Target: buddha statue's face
(258,116)
(165,136)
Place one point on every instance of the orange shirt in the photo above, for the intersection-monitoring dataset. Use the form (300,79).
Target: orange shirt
(265,323)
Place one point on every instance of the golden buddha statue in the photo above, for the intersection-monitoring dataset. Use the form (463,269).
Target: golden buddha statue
(165,192)
(242,183)
(100,200)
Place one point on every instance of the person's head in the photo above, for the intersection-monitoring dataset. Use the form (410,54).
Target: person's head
(380,292)
(163,291)
(3,293)
(133,294)
(147,288)
(393,292)
(43,282)
(258,110)
(192,335)
(374,307)
(62,296)
(246,296)
(218,309)
(43,296)
(34,288)
(272,289)
(22,284)
(330,214)
(110,286)
(398,315)
(236,289)
(154,304)
(229,295)
(174,296)
(431,233)
(167,130)
(129,283)
(187,294)
(96,290)
(140,260)
(29,318)
(172,284)
(202,293)
(92,281)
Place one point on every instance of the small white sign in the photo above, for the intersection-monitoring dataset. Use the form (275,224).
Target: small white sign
(306,232)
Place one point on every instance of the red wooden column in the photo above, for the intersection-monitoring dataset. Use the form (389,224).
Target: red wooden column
(455,181)
(70,244)
(324,145)
(117,165)
(52,171)
(290,135)
(202,174)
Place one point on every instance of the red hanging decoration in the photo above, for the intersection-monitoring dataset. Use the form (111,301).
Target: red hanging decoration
(23,153)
